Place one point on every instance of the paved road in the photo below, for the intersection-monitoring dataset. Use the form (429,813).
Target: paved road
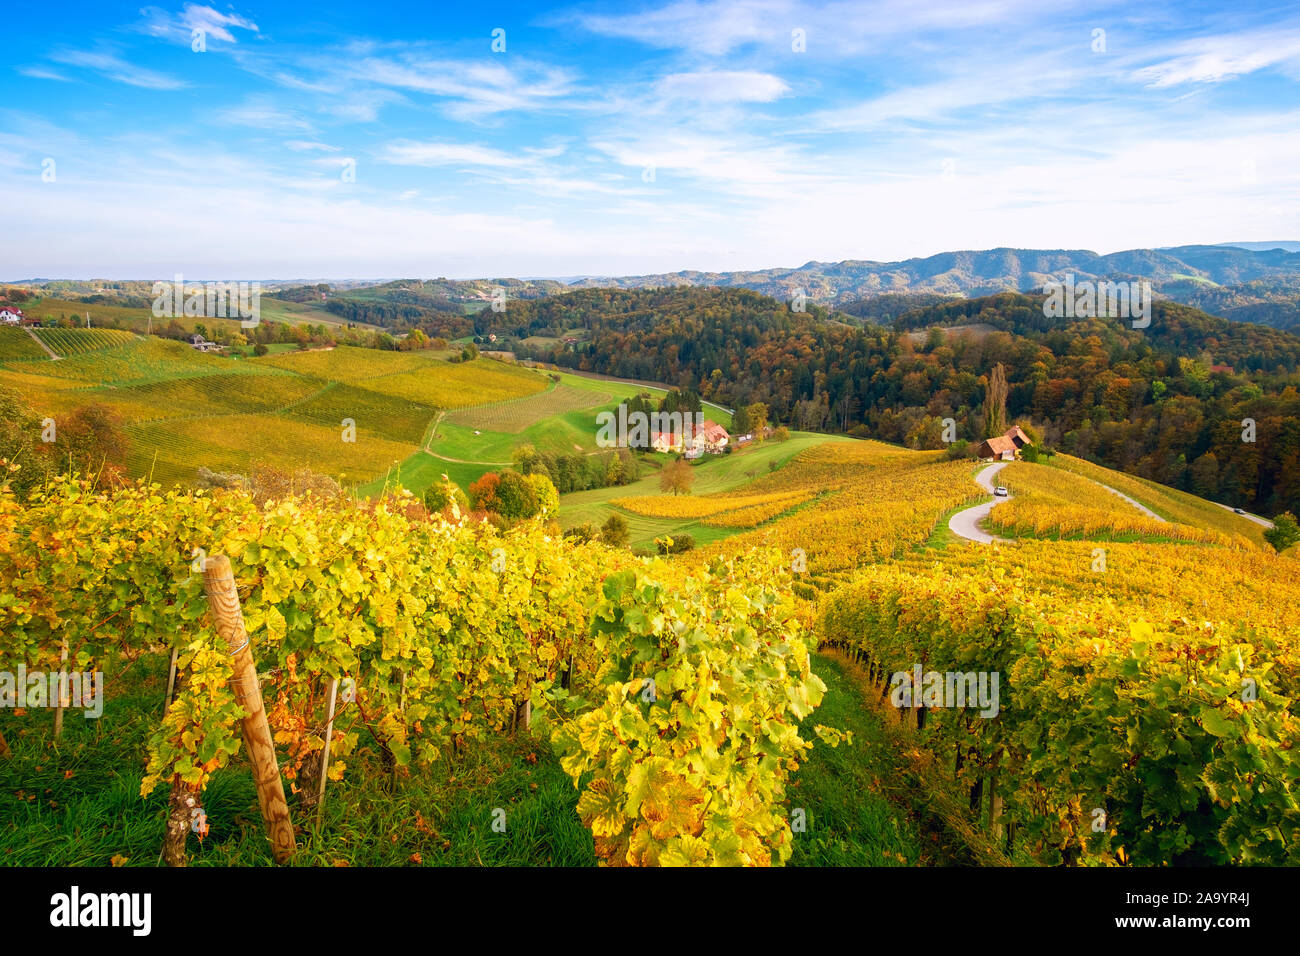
(1249,517)
(1136,504)
(965,524)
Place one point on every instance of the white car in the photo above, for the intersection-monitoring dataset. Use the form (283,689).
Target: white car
(1000,491)
(1240,511)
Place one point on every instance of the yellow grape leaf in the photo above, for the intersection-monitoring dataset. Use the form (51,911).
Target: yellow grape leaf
(601,806)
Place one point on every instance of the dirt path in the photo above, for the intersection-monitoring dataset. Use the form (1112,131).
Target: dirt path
(37,339)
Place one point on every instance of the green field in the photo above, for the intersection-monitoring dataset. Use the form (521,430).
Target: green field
(561,419)
(713,474)
(417,416)
(183,409)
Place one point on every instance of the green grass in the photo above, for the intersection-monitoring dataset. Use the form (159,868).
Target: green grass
(296,313)
(516,415)
(713,474)
(851,819)
(880,801)
(76,802)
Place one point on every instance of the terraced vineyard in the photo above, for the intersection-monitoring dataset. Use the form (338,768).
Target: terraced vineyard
(1169,503)
(1059,503)
(874,502)
(184,409)
(17,344)
(76,341)
(139,361)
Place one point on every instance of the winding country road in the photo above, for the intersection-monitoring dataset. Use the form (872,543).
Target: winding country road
(1136,504)
(1264,522)
(965,524)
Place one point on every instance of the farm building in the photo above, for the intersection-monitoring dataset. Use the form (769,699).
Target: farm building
(711,438)
(666,441)
(198,343)
(1003,447)
(10,315)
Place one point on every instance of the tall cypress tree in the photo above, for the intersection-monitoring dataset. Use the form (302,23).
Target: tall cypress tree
(995,403)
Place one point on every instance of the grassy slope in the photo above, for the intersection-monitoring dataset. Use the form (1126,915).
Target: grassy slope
(465,456)
(77,803)
(712,475)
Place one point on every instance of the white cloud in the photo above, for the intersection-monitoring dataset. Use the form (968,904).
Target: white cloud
(118,69)
(409,153)
(41,73)
(180,26)
(716,28)
(263,113)
(1218,58)
(723,86)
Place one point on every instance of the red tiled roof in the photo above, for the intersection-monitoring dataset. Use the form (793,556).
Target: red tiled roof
(999,443)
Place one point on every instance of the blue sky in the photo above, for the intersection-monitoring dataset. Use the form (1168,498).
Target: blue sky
(337,140)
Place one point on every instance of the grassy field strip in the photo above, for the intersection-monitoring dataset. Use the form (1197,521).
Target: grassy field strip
(880,801)
(19,345)
(638,387)
(516,414)
(713,475)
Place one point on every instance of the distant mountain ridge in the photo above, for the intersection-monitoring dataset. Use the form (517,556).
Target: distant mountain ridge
(1259,285)
(968,272)
(1234,280)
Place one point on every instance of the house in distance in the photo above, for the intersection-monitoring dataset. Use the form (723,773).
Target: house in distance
(1004,447)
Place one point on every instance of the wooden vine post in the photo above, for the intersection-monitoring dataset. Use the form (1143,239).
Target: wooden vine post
(171,679)
(63,691)
(325,753)
(219,582)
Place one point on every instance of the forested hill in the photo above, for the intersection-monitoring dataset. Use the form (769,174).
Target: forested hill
(1166,402)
